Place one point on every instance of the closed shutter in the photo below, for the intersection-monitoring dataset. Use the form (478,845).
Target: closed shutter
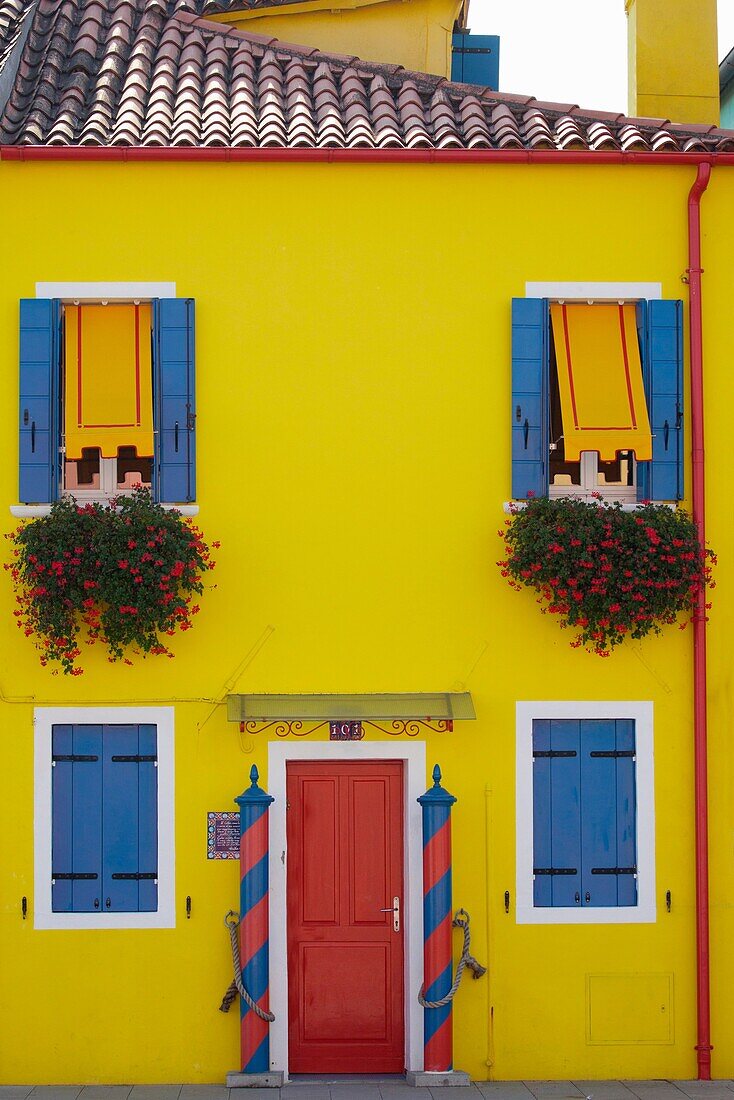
(104,819)
(76,854)
(529,398)
(661,324)
(40,370)
(608,813)
(174,400)
(129,853)
(556,813)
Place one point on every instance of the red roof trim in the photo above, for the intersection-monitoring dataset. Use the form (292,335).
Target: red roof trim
(352,156)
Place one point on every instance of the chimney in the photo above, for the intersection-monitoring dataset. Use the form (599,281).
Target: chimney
(672,60)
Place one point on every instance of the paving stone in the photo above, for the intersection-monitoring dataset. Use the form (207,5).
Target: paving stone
(355,1092)
(455,1092)
(655,1090)
(209,1092)
(15,1092)
(504,1090)
(705,1090)
(304,1092)
(156,1092)
(56,1092)
(605,1090)
(552,1090)
(105,1092)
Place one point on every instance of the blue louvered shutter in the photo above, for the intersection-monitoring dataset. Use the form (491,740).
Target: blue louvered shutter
(608,843)
(475,59)
(76,841)
(174,400)
(661,324)
(40,373)
(556,813)
(129,827)
(530,399)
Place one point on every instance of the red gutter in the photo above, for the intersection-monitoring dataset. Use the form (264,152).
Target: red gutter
(353,156)
(703,1044)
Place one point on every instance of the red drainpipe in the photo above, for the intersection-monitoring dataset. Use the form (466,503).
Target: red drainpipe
(703,1043)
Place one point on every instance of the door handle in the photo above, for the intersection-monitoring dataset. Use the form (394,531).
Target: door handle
(395,910)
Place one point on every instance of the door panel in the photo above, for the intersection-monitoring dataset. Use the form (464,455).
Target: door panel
(345,960)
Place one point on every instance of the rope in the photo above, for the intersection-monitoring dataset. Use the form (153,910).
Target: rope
(237,986)
(461,920)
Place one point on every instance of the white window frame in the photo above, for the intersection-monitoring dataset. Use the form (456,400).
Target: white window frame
(45,718)
(595,292)
(645,912)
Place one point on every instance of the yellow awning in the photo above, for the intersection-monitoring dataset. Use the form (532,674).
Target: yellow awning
(603,405)
(109,380)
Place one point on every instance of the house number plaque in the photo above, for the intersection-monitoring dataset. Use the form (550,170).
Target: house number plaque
(345,731)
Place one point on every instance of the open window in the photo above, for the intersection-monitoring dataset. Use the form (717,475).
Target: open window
(597,402)
(106,399)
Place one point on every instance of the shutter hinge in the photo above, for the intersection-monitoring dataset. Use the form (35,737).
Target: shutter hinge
(73,758)
(615,754)
(553,753)
(71,878)
(614,870)
(555,871)
(134,759)
(137,876)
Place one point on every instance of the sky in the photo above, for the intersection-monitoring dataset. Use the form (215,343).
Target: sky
(568,51)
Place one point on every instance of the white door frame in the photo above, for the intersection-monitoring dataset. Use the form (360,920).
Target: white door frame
(414,755)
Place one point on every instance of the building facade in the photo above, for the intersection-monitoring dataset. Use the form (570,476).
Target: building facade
(372,257)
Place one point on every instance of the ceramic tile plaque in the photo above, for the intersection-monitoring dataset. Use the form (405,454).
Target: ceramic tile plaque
(223,835)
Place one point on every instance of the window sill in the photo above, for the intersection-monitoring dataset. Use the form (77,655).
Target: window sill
(35,511)
(623,914)
(512,506)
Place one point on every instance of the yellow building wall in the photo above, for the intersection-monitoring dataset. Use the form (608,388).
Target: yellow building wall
(353,349)
(673,60)
(413,33)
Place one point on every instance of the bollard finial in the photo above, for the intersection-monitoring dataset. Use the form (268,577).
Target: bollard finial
(436,775)
(254,775)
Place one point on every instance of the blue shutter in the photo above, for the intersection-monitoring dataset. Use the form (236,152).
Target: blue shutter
(626,812)
(148,820)
(174,400)
(608,813)
(62,861)
(76,842)
(530,330)
(475,59)
(662,348)
(542,859)
(129,820)
(561,781)
(39,400)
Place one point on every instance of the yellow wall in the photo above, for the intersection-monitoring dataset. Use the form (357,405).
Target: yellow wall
(413,33)
(353,442)
(673,60)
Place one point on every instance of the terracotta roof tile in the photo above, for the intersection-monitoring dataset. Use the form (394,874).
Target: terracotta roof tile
(160,72)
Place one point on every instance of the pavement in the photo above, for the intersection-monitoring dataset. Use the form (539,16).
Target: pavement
(387,1089)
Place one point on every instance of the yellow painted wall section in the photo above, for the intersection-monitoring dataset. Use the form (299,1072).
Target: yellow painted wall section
(673,60)
(353,382)
(413,33)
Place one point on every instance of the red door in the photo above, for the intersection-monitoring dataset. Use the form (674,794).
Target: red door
(345,957)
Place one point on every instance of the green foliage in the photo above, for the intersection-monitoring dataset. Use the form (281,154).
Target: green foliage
(607,573)
(124,575)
